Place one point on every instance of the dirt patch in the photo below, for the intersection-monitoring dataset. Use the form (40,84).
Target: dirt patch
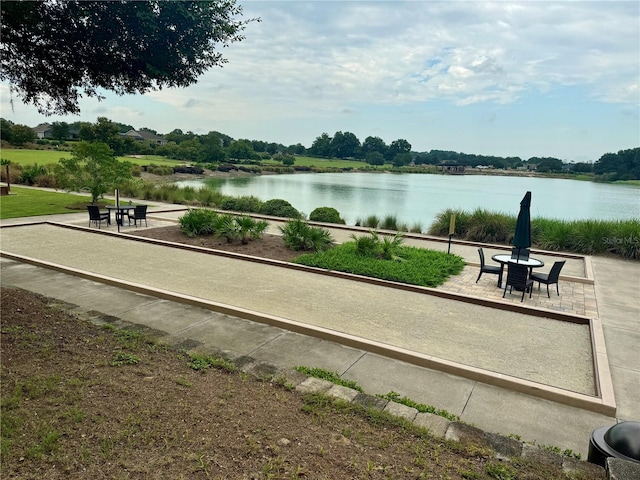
(268,246)
(69,411)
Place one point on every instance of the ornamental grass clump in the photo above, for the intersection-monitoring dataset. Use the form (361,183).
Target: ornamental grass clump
(588,236)
(554,235)
(624,239)
(490,227)
(390,222)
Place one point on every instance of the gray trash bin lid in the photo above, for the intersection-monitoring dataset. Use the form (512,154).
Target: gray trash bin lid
(624,438)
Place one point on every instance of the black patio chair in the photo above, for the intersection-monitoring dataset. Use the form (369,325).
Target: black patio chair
(518,277)
(495,270)
(549,278)
(139,213)
(97,217)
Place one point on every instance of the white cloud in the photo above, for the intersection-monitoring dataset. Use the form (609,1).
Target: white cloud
(307,63)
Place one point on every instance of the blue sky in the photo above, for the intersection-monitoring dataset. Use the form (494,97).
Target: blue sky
(529,78)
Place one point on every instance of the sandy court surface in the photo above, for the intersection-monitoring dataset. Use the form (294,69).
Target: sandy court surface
(533,348)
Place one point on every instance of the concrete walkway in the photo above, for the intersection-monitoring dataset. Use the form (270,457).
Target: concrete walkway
(382,337)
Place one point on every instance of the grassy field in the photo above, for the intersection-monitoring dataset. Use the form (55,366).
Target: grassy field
(323,162)
(27,202)
(29,157)
(45,157)
(155,159)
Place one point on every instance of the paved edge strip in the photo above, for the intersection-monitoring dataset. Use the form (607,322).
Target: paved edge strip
(598,403)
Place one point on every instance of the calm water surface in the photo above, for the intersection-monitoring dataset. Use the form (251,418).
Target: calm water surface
(418,198)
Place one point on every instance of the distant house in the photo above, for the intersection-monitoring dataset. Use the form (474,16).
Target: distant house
(43,130)
(451,168)
(143,135)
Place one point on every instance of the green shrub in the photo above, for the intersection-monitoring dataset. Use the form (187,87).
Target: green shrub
(326,215)
(226,167)
(300,236)
(242,204)
(279,208)
(198,222)
(31,172)
(160,170)
(46,181)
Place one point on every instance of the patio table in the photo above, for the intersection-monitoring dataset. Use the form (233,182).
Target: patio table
(503,258)
(120,212)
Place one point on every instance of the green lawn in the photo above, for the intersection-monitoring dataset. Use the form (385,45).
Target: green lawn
(30,157)
(27,202)
(155,159)
(46,157)
(323,162)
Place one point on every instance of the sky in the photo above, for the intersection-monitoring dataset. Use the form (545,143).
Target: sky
(529,78)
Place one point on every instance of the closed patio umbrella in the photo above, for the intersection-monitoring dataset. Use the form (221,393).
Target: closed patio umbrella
(522,237)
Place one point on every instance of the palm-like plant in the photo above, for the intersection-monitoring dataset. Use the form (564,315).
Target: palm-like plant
(319,239)
(248,228)
(389,247)
(299,235)
(371,246)
(226,226)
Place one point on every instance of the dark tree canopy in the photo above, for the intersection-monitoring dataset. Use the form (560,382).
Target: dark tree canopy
(55,51)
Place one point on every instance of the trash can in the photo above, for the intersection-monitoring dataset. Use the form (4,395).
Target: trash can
(620,441)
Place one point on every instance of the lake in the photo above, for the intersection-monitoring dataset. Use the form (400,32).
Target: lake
(418,198)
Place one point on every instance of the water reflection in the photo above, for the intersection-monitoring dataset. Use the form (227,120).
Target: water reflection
(415,198)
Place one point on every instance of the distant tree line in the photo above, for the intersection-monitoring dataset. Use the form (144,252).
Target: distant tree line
(373,150)
(216,147)
(624,165)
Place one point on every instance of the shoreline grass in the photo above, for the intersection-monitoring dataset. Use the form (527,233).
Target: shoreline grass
(586,237)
